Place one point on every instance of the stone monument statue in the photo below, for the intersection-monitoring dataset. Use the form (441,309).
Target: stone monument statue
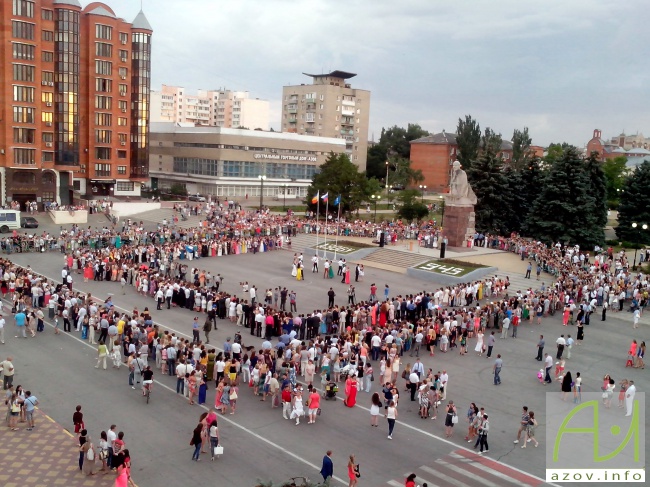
(460,191)
(459,208)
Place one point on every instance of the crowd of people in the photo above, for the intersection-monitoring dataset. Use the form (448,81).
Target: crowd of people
(350,344)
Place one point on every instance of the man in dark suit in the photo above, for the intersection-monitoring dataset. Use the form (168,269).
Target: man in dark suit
(328,468)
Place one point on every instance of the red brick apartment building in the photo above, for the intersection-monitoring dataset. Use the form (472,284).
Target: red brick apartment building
(74,101)
(435,154)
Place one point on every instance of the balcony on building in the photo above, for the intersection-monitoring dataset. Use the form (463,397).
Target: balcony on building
(349,103)
(347,112)
(293,120)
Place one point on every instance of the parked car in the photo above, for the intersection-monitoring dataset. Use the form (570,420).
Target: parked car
(28,222)
(197,197)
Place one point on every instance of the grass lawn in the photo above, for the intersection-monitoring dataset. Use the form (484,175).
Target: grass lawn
(449,267)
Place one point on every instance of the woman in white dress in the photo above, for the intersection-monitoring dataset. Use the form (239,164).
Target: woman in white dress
(294,270)
(445,297)
(479,342)
(298,409)
(232,311)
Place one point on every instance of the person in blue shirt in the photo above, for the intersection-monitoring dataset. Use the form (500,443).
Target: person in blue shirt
(20,323)
(30,404)
(328,468)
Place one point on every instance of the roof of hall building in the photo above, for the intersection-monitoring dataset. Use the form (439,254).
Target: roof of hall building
(638,150)
(74,3)
(141,22)
(636,161)
(333,74)
(103,12)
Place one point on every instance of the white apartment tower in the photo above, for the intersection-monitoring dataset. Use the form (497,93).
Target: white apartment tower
(210,108)
(329,107)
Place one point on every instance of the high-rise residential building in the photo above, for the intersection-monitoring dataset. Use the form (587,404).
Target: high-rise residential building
(329,107)
(75,119)
(209,108)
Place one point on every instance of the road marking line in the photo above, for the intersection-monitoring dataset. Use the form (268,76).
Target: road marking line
(466,472)
(438,473)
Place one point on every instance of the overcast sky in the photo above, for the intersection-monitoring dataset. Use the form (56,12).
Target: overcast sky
(560,67)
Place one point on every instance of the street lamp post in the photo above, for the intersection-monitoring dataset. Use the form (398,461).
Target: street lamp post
(285,196)
(442,216)
(262,178)
(423,188)
(375,198)
(636,227)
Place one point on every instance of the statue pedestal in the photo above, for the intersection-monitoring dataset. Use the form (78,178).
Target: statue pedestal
(458,224)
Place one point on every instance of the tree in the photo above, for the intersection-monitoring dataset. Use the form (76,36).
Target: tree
(521,153)
(393,142)
(337,176)
(402,173)
(614,170)
(490,185)
(564,209)
(634,206)
(410,206)
(178,189)
(468,140)
(597,188)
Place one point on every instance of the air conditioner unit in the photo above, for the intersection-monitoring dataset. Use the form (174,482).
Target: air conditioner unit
(44,83)
(122,143)
(246,148)
(48,144)
(123,110)
(123,42)
(48,104)
(122,77)
(122,93)
(48,124)
(51,83)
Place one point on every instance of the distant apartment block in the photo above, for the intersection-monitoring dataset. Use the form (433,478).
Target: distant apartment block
(209,108)
(329,107)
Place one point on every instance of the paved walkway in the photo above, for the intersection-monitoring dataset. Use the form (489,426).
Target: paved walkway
(45,456)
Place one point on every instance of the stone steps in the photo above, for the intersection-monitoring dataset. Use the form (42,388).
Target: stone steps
(158,215)
(396,258)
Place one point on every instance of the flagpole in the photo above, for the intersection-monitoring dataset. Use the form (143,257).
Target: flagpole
(317,211)
(338,224)
(327,205)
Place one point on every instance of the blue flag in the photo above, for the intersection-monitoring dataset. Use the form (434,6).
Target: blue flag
(337,200)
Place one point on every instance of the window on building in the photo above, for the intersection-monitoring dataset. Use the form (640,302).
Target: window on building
(103,119)
(47,156)
(103,153)
(24,157)
(47,14)
(103,49)
(103,102)
(103,136)
(103,85)
(23,51)
(24,135)
(194,165)
(102,170)
(47,36)
(103,32)
(47,117)
(23,8)
(124,185)
(121,170)
(123,89)
(123,105)
(121,154)
(22,30)
(122,121)
(24,72)
(24,93)
(103,67)
(47,77)
(122,138)
(124,55)
(123,72)
(48,56)
(48,137)
(23,115)
(124,38)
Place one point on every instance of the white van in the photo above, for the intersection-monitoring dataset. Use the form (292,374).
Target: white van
(9,220)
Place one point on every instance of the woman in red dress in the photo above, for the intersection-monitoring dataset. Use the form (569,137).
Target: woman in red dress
(350,391)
